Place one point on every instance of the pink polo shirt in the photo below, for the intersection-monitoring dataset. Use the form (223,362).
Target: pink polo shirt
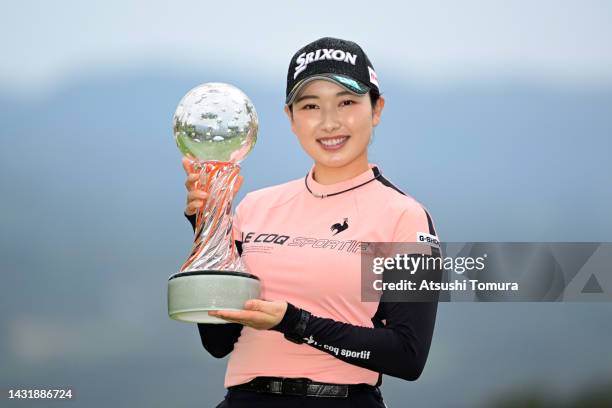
(304,249)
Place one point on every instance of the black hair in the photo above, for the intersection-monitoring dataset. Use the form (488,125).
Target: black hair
(374,96)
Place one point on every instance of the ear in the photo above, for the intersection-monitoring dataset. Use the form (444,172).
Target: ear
(377,111)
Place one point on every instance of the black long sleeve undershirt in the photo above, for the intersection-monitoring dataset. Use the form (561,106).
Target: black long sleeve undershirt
(399,348)
(397,345)
(218,339)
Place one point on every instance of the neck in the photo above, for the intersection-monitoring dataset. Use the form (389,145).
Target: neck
(330,175)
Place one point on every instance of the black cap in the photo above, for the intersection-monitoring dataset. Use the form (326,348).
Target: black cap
(331,59)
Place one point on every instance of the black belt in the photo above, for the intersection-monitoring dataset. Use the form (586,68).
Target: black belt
(302,387)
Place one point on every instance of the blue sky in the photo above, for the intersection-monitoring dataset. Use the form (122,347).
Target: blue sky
(46,43)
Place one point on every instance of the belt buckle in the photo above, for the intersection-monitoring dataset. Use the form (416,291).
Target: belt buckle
(295,386)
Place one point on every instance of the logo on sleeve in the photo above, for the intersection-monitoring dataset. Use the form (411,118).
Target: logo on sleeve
(428,239)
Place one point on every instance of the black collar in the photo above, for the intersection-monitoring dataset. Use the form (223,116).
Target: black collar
(375,171)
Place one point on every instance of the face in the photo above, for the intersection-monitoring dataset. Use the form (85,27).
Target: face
(334,126)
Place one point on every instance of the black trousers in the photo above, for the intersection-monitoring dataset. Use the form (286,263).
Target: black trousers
(250,399)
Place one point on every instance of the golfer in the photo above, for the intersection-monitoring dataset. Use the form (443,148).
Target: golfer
(310,341)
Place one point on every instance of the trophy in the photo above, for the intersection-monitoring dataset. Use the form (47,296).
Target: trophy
(215,126)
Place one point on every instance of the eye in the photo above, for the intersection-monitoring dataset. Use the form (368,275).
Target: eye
(309,106)
(347,102)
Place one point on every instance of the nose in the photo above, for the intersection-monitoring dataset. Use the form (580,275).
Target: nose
(330,122)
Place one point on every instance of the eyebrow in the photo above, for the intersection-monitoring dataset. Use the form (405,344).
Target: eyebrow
(316,97)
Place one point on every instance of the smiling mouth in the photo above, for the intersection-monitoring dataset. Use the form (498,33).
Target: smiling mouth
(333,142)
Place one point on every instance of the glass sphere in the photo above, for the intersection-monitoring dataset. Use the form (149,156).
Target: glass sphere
(215,122)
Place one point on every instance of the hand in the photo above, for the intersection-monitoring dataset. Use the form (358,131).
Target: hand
(196,179)
(258,314)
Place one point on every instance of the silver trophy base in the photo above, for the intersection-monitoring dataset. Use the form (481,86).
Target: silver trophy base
(192,294)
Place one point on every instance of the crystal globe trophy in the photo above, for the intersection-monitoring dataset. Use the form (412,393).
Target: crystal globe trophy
(215,126)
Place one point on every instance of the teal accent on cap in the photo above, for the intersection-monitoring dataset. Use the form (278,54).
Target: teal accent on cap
(351,83)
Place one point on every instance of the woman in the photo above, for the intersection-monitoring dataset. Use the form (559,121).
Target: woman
(310,340)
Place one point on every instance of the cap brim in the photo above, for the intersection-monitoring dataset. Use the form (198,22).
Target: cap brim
(353,86)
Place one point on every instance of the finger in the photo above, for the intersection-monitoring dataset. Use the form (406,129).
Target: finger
(193,206)
(220,315)
(187,165)
(255,305)
(191,179)
(197,195)
(228,314)
(230,320)
(244,315)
